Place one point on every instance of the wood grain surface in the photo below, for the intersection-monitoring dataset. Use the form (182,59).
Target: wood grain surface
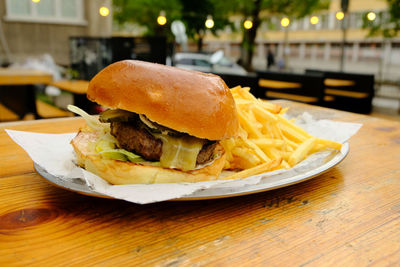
(10,76)
(349,216)
(73,86)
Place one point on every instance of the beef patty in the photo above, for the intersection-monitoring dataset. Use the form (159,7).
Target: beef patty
(134,136)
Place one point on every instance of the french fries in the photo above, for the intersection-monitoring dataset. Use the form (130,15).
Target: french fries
(267,140)
(254,170)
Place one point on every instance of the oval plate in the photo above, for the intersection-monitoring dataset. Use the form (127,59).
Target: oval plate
(80,186)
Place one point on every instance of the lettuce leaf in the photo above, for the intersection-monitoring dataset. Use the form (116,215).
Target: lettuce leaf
(121,154)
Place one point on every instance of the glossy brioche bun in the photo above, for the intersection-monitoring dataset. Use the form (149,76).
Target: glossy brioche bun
(187,101)
(125,172)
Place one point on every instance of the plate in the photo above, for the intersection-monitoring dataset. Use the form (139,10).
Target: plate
(272,182)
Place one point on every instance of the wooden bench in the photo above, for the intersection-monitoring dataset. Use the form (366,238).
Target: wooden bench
(46,110)
(7,114)
(78,88)
(297,87)
(249,80)
(74,86)
(347,91)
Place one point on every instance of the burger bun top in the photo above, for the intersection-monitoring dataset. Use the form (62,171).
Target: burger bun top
(187,101)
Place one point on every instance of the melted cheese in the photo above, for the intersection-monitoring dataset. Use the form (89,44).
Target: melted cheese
(179,153)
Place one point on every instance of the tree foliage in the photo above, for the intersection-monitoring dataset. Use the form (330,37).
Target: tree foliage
(192,13)
(261,10)
(145,13)
(386,24)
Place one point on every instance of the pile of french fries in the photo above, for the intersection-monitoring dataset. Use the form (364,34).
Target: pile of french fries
(267,140)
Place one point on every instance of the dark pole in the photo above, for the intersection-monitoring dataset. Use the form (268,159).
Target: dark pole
(345,7)
(286,48)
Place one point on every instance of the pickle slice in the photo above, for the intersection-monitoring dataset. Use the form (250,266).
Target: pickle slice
(116,115)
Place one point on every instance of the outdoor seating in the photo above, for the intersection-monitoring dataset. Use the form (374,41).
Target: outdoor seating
(306,88)
(199,133)
(347,91)
(249,80)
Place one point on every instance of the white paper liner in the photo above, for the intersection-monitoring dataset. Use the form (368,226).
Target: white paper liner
(54,153)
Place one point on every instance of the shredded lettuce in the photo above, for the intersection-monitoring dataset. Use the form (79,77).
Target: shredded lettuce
(119,154)
(107,144)
(91,121)
(112,154)
(108,150)
(103,144)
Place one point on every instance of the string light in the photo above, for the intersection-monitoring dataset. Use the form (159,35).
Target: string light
(314,20)
(104,11)
(371,16)
(162,19)
(248,24)
(209,22)
(339,15)
(285,22)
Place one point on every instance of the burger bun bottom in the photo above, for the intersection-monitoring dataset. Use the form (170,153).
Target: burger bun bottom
(124,172)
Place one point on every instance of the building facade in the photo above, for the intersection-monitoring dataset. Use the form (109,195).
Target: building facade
(33,28)
(318,45)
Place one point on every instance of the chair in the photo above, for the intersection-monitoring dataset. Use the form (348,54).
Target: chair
(347,91)
(306,88)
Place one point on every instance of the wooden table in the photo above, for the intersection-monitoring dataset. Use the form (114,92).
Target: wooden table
(78,88)
(349,216)
(16,87)
(10,76)
(74,86)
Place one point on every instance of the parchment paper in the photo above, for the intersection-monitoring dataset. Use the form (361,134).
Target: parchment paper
(54,153)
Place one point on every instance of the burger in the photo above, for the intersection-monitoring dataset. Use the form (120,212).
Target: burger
(162,125)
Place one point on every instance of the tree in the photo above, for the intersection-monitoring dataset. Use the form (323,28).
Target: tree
(259,10)
(145,13)
(388,25)
(192,13)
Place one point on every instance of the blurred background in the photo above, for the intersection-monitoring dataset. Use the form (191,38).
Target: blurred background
(342,54)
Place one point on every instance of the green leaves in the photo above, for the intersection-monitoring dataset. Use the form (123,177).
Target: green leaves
(387,24)
(145,13)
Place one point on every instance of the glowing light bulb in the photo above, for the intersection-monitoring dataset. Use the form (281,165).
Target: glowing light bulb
(339,15)
(314,20)
(162,19)
(36,1)
(248,24)
(285,22)
(209,22)
(104,11)
(371,16)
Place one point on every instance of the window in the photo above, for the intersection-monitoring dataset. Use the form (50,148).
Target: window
(225,62)
(202,63)
(324,21)
(185,61)
(45,11)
